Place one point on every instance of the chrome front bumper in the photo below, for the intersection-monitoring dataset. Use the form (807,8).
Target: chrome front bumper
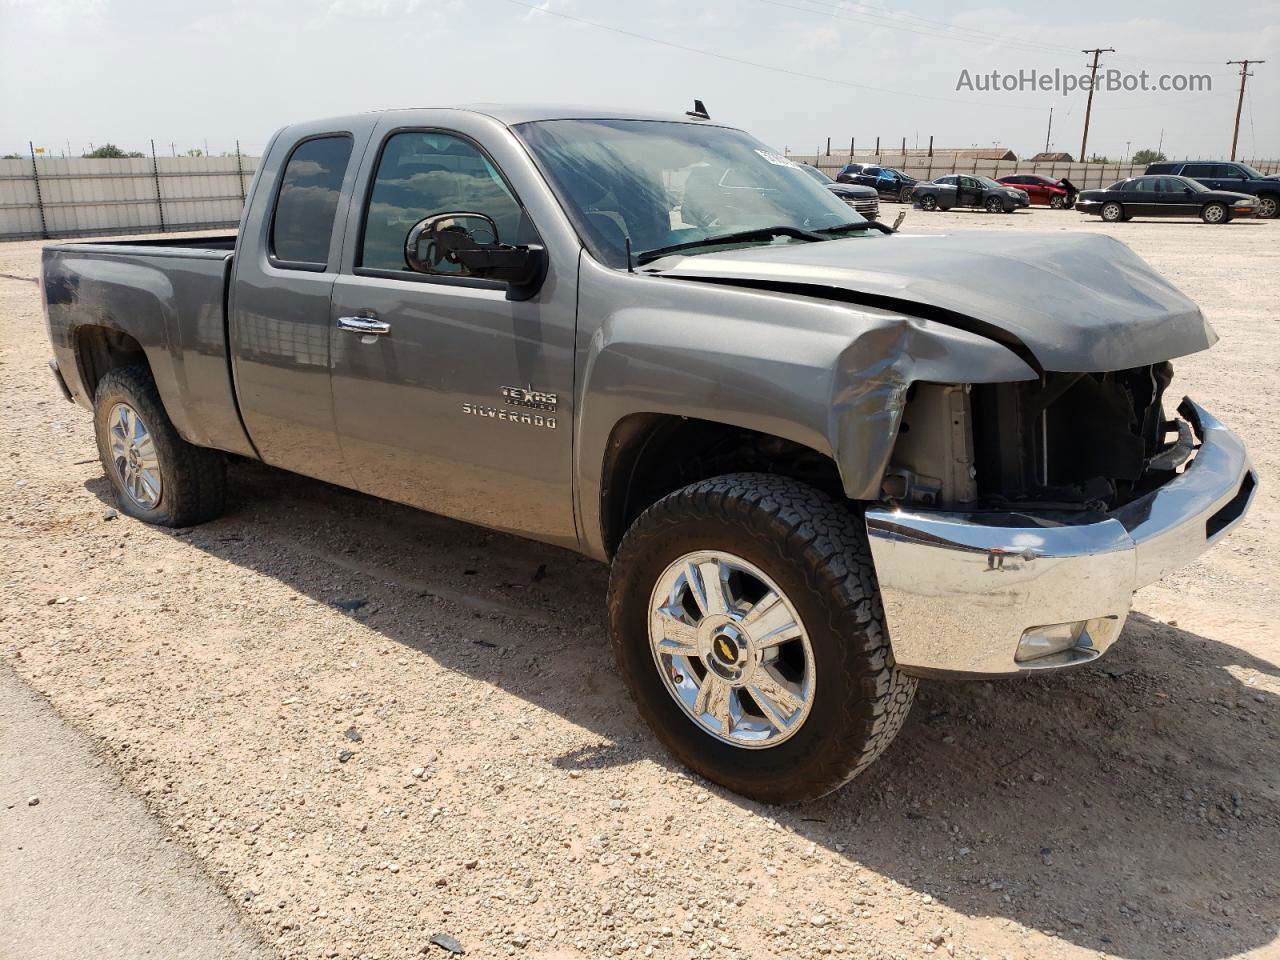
(960,590)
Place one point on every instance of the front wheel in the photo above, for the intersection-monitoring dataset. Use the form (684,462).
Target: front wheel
(1112,212)
(1214,213)
(904,195)
(746,622)
(994,205)
(156,476)
(1057,202)
(1267,207)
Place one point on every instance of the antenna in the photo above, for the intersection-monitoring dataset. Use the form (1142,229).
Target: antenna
(630,264)
(699,112)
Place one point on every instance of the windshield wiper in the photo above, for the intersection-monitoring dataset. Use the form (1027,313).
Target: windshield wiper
(865,225)
(742,236)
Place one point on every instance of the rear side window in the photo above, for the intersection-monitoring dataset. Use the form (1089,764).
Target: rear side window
(1200,170)
(309,191)
(422,174)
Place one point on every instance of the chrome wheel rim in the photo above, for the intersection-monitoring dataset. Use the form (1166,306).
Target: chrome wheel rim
(731,649)
(133,456)
(1213,214)
(1267,207)
(1110,212)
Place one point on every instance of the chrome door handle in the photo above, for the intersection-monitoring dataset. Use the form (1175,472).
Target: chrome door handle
(364,325)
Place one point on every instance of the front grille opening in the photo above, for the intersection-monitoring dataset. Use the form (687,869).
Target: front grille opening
(1233,510)
(1070,441)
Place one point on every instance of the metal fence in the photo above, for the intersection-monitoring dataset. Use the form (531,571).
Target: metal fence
(1085,176)
(79,197)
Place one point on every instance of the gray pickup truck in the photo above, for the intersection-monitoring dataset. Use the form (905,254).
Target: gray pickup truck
(823,458)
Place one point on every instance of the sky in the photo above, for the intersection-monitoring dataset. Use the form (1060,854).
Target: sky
(792,72)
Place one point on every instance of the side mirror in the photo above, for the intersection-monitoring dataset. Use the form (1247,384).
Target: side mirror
(1187,191)
(467,245)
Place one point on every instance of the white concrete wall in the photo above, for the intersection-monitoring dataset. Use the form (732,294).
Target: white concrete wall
(88,197)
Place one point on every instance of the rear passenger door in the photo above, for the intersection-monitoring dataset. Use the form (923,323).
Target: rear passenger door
(463,405)
(279,308)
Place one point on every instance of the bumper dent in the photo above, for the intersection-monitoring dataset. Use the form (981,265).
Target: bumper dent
(959,590)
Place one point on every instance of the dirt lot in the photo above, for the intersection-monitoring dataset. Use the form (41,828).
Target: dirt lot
(457,755)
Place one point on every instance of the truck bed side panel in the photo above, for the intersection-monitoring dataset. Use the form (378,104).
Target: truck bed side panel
(172,300)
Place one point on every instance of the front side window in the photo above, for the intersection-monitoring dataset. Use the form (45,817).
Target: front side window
(659,183)
(308,201)
(421,174)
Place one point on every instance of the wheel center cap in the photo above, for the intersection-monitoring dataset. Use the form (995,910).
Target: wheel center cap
(730,652)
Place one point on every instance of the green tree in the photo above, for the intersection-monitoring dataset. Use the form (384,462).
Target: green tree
(1149,156)
(109,151)
(1098,158)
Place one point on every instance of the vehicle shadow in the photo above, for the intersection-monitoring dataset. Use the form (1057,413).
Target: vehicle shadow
(1153,775)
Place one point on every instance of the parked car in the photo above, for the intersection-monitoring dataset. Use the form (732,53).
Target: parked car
(1165,197)
(865,200)
(821,463)
(1042,190)
(891,184)
(962,190)
(1230,176)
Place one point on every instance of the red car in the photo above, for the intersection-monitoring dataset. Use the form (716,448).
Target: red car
(1044,191)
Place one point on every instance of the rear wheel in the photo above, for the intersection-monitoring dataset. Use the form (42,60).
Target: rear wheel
(1214,213)
(746,622)
(928,202)
(994,205)
(156,476)
(1112,212)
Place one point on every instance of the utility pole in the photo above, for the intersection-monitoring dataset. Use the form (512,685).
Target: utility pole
(1244,75)
(1093,79)
(1049,133)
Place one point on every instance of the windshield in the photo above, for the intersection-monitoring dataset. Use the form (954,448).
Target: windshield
(661,183)
(1254,174)
(988,182)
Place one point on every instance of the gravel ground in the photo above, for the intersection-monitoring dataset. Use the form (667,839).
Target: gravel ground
(374,725)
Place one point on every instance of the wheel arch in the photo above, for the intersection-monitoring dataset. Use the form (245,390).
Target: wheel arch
(650,455)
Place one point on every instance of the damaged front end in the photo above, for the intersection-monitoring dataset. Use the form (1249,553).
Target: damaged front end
(1017,519)
(1065,442)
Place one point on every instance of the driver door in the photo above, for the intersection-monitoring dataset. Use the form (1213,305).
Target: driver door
(449,395)
(969,193)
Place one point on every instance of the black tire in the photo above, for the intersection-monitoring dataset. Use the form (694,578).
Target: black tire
(929,202)
(816,551)
(1215,213)
(904,195)
(995,205)
(1057,202)
(1268,206)
(1112,212)
(193,480)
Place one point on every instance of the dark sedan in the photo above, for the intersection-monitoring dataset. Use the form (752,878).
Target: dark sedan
(891,184)
(1154,196)
(864,200)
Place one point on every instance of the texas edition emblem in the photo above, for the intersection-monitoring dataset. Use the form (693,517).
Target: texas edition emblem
(526,397)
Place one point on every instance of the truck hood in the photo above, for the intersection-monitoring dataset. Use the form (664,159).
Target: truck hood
(1081,304)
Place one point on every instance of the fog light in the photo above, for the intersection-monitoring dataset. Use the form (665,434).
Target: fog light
(1040,642)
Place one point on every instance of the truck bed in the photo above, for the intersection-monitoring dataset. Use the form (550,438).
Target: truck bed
(170,294)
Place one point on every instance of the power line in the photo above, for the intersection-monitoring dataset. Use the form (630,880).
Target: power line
(942,31)
(1244,76)
(1097,52)
(754,63)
